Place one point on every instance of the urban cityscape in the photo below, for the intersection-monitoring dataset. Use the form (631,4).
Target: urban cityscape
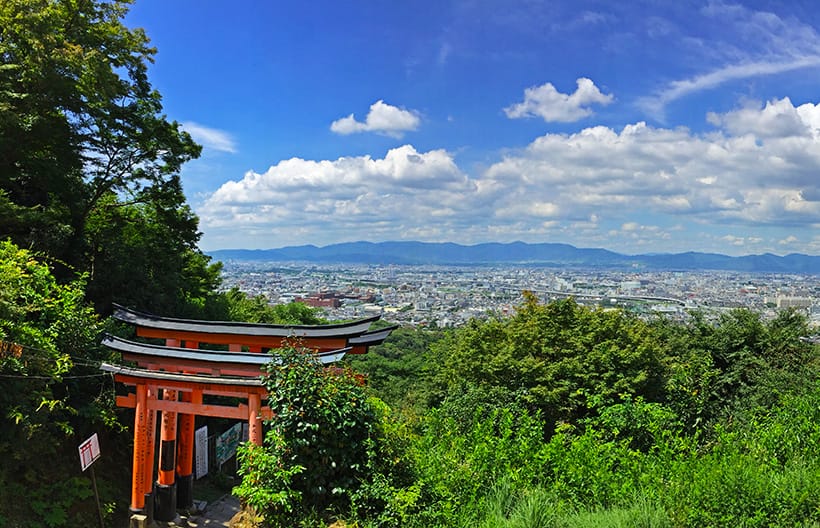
(449,296)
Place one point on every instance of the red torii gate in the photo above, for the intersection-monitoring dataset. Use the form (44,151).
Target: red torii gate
(185,374)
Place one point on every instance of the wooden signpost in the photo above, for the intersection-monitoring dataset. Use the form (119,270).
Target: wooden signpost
(89,453)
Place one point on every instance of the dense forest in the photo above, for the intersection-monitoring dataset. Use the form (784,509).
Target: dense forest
(558,415)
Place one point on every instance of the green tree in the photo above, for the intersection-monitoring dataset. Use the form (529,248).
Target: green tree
(236,305)
(89,164)
(735,363)
(319,443)
(399,371)
(562,359)
(145,256)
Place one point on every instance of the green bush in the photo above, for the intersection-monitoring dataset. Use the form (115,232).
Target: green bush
(564,360)
(649,427)
(52,396)
(319,444)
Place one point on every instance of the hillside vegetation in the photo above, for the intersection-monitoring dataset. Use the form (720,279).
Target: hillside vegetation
(563,416)
(560,415)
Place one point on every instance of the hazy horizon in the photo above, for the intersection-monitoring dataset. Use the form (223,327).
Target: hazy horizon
(647,253)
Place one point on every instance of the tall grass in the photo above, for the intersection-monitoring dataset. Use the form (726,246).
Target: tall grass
(538,508)
(499,472)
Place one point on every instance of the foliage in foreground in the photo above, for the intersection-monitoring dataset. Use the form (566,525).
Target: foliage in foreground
(89,162)
(501,472)
(318,446)
(52,396)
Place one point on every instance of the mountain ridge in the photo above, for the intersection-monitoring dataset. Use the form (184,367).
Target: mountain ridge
(521,253)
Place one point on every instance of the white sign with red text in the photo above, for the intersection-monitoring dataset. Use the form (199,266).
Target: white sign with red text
(89,451)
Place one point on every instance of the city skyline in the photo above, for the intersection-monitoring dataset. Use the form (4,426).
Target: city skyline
(453,295)
(635,128)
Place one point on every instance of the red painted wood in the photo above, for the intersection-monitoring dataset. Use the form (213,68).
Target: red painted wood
(240,412)
(254,419)
(185,448)
(321,344)
(151,433)
(168,438)
(140,452)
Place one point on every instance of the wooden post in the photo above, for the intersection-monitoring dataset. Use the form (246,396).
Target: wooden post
(168,438)
(166,500)
(140,438)
(254,418)
(185,452)
(150,447)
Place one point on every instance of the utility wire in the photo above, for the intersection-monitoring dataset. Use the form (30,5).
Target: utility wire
(80,362)
(14,376)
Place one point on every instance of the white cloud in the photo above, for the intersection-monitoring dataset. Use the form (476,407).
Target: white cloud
(778,119)
(355,194)
(677,89)
(598,186)
(756,44)
(382,119)
(210,138)
(733,176)
(553,106)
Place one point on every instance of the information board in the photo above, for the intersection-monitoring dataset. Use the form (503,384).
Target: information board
(89,451)
(201,450)
(227,442)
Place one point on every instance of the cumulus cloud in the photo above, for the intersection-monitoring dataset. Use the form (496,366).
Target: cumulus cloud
(778,119)
(720,177)
(360,194)
(381,119)
(210,138)
(553,106)
(737,176)
(599,183)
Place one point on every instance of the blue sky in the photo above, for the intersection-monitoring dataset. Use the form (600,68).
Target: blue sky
(639,126)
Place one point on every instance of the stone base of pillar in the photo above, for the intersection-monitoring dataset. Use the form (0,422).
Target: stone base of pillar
(185,492)
(149,507)
(165,502)
(139,520)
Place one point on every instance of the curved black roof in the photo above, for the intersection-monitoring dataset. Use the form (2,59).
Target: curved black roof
(372,337)
(173,376)
(212,356)
(147,320)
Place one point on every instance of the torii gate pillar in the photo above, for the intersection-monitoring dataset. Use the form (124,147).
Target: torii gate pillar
(185,453)
(165,496)
(255,419)
(140,449)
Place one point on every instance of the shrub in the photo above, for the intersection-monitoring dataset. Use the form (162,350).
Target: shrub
(318,446)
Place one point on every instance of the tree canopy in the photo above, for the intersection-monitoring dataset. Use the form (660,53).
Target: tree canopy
(561,358)
(89,162)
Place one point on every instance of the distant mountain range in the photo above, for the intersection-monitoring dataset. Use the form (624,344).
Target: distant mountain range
(520,253)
